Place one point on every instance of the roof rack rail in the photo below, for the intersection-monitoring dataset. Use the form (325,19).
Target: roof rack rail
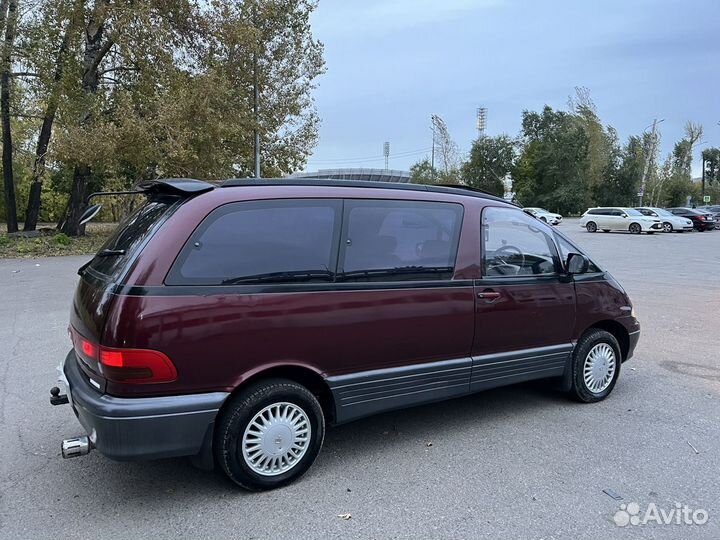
(456,189)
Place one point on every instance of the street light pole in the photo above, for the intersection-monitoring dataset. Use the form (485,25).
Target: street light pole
(432,152)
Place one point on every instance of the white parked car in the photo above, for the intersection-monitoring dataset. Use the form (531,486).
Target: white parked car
(670,221)
(617,218)
(544,215)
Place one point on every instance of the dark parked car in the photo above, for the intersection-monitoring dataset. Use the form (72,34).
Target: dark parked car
(715,211)
(233,323)
(702,221)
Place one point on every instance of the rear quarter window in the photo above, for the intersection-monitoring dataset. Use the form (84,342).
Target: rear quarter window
(129,237)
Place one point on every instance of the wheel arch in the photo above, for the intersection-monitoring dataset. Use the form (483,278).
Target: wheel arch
(615,328)
(303,375)
(618,331)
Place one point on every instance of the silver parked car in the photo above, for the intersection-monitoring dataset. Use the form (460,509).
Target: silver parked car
(544,215)
(670,222)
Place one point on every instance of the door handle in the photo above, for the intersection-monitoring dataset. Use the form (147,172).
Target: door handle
(488,295)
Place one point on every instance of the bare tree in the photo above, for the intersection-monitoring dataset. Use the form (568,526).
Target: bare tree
(444,146)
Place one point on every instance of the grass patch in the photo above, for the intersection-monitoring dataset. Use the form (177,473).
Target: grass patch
(52,244)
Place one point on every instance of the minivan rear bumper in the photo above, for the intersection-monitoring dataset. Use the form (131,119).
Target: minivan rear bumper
(128,429)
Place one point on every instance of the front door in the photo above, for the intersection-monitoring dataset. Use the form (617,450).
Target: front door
(524,305)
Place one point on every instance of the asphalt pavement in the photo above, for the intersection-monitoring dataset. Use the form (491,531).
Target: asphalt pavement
(517,462)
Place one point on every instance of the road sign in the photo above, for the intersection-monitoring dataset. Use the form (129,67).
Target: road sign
(706,198)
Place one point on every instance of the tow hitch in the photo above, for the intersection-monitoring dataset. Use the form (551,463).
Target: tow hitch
(56,398)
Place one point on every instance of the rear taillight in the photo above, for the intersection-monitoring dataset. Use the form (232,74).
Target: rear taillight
(701,218)
(136,366)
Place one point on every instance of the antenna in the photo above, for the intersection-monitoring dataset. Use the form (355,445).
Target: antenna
(481,121)
(386,153)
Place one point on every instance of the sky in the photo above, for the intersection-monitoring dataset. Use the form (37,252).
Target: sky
(391,64)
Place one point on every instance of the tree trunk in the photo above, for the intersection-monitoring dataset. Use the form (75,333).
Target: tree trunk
(95,50)
(33,207)
(7,150)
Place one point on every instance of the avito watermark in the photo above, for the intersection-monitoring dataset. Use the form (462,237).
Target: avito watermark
(680,514)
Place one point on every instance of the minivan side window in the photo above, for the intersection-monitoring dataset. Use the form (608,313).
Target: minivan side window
(272,241)
(515,245)
(386,240)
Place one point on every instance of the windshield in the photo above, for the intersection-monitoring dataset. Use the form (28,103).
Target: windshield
(632,212)
(662,212)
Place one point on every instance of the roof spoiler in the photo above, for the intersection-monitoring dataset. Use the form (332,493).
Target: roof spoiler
(172,186)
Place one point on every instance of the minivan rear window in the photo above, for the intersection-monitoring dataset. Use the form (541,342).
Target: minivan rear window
(128,237)
(270,241)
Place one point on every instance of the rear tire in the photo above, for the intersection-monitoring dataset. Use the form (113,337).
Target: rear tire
(591,226)
(543,219)
(606,230)
(595,366)
(276,420)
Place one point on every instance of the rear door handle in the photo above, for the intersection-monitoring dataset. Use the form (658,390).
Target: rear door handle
(488,295)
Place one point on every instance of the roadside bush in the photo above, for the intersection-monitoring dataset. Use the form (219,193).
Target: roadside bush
(62,239)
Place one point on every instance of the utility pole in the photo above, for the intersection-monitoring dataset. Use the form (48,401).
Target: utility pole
(386,153)
(703,175)
(648,158)
(432,152)
(256,100)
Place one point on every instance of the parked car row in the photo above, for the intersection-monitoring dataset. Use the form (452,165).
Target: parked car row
(649,219)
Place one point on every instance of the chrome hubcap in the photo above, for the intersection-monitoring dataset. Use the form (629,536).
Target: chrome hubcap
(599,368)
(667,227)
(276,439)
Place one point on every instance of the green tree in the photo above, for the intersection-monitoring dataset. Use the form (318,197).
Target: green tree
(424,173)
(491,160)
(129,90)
(711,162)
(551,169)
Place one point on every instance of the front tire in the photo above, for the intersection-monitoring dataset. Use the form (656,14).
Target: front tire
(667,227)
(595,366)
(635,228)
(269,434)
(591,226)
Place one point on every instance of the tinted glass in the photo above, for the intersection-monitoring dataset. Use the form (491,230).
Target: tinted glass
(399,240)
(128,237)
(515,245)
(262,242)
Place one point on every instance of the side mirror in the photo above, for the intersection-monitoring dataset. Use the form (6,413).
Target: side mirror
(90,213)
(623,215)
(577,263)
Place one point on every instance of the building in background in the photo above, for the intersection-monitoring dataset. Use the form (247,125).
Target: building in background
(373,175)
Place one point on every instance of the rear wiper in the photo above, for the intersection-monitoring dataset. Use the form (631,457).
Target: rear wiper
(398,270)
(110,252)
(299,276)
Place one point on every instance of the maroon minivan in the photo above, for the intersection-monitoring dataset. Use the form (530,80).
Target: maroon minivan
(232,323)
